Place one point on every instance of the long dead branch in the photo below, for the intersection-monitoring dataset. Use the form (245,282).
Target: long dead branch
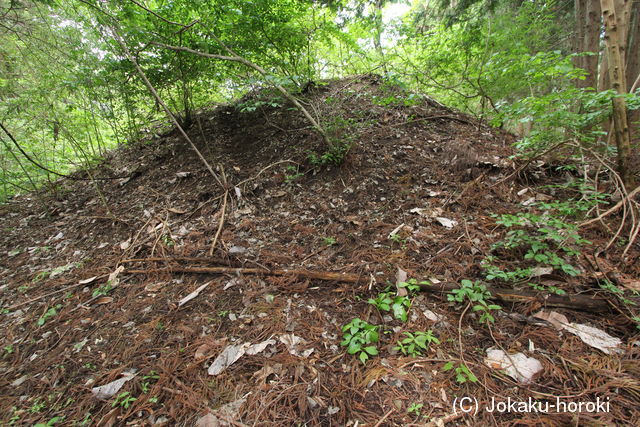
(574,302)
(306,274)
(614,208)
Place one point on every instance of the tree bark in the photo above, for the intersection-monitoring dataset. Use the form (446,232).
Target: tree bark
(592,43)
(618,83)
(579,37)
(633,67)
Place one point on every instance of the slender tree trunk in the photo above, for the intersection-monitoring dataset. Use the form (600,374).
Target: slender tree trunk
(618,83)
(592,43)
(377,36)
(579,37)
(603,72)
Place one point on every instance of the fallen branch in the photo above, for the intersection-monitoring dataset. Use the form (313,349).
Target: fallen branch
(614,208)
(316,275)
(574,302)
(222,212)
(209,260)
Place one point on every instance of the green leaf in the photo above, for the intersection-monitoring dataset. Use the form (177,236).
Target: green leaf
(354,347)
(371,350)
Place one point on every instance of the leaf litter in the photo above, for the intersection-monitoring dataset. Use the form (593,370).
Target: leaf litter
(279,362)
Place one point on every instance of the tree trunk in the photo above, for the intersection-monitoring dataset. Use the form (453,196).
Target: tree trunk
(633,66)
(633,44)
(377,36)
(592,43)
(618,83)
(579,37)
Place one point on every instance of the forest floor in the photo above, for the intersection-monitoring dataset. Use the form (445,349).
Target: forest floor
(93,276)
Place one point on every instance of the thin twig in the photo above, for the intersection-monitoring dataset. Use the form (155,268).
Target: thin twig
(168,112)
(379,423)
(12,307)
(220,224)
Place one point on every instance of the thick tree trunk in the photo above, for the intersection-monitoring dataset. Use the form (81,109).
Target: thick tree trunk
(633,66)
(633,44)
(618,83)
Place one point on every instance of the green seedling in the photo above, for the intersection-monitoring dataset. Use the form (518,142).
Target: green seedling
(168,240)
(124,400)
(413,286)
(49,313)
(102,290)
(477,295)
(147,380)
(37,406)
(292,173)
(360,338)
(53,421)
(329,241)
(463,374)
(399,305)
(86,420)
(415,343)
(414,409)
(40,276)
(396,238)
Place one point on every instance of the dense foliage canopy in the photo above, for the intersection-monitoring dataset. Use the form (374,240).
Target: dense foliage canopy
(70,88)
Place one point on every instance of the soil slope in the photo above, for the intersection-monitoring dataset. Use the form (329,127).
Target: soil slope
(92,274)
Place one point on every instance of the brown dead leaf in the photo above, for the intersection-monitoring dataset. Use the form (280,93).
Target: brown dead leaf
(631,284)
(261,375)
(104,300)
(154,287)
(401,276)
(177,211)
(553,317)
(203,351)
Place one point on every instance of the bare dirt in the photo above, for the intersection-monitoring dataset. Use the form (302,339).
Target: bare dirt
(63,335)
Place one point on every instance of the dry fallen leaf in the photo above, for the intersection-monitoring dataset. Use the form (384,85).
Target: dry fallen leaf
(401,277)
(232,353)
(202,351)
(553,317)
(223,416)
(192,295)
(594,337)
(446,222)
(292,342)
(109,390)
(154,287)
(517,366)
